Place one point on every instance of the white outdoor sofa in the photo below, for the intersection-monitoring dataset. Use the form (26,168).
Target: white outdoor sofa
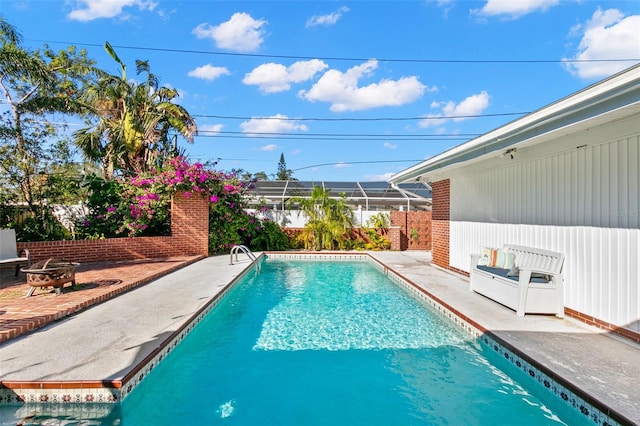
(9,255)
(535,285)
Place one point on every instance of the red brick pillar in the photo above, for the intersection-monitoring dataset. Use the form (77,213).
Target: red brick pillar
(395,238)
(399,219)
(440,222)
(190,223)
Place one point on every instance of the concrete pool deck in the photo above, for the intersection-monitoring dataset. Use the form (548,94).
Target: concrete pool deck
(107,341)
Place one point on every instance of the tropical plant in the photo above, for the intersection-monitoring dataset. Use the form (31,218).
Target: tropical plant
(414,234)
(380,221)
(130,122)
(328,219)
(376,227)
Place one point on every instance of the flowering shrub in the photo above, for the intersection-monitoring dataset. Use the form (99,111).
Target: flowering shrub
(141,206)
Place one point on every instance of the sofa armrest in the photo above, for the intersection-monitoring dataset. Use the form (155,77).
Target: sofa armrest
(525,275)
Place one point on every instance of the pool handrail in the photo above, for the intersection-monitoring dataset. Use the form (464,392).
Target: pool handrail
(240,248)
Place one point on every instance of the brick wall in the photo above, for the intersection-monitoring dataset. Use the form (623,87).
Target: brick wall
(395,238)
(440,222)
(418,221)
(189,237)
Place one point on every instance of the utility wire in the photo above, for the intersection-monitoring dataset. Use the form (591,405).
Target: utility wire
(350,59)
(213,133)
(443,117)
(302,137)
(356,162)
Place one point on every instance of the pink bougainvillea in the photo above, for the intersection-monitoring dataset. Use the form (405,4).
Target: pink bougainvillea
(140,206)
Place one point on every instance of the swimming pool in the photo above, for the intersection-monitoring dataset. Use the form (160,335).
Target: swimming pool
(363,361)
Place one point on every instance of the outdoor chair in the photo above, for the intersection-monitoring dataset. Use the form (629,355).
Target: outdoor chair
(9,255)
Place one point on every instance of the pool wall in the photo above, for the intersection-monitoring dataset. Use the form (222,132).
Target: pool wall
(113,392)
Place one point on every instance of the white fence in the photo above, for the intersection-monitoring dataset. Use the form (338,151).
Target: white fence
(297,219)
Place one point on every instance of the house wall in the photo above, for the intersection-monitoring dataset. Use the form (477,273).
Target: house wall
(579,195)
(189,237)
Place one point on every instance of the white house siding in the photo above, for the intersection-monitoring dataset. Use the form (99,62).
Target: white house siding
(579,195)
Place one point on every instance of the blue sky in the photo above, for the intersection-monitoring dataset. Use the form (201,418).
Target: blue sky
(345,90)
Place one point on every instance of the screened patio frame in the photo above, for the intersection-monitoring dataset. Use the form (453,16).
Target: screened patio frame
(374,195)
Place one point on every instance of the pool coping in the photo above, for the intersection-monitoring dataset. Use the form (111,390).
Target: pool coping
(114,391)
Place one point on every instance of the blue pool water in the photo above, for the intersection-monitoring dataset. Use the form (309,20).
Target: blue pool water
(332,343)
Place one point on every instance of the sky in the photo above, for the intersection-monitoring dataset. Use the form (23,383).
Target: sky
(345,90)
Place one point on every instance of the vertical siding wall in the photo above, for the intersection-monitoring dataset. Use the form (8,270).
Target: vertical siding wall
(583,201)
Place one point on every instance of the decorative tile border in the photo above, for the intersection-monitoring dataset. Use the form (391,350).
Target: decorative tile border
(55,398)
(320,256)
(58,395)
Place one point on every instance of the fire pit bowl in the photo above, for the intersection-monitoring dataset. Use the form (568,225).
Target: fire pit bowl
(50,273)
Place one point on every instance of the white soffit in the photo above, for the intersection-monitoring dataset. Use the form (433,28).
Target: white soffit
(612,99)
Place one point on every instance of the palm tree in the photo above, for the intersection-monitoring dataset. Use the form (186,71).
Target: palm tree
(134,121)
(328,219)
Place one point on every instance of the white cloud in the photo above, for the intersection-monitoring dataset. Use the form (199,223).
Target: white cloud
(210,128)
(472,105)
(607,35)
(382,177)
(208,72)
(341,165)
(241,33)
(342,91)
(273,78)
(390,145)
(514,8)
(88,10)
(275,124)
(270,147)
(328,19)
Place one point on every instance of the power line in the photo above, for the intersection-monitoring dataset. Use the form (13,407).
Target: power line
(349,59)
(302,137)
(356,162)
(438,135)
(444,117)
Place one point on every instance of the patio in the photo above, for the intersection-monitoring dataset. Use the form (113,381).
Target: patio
(95,283)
